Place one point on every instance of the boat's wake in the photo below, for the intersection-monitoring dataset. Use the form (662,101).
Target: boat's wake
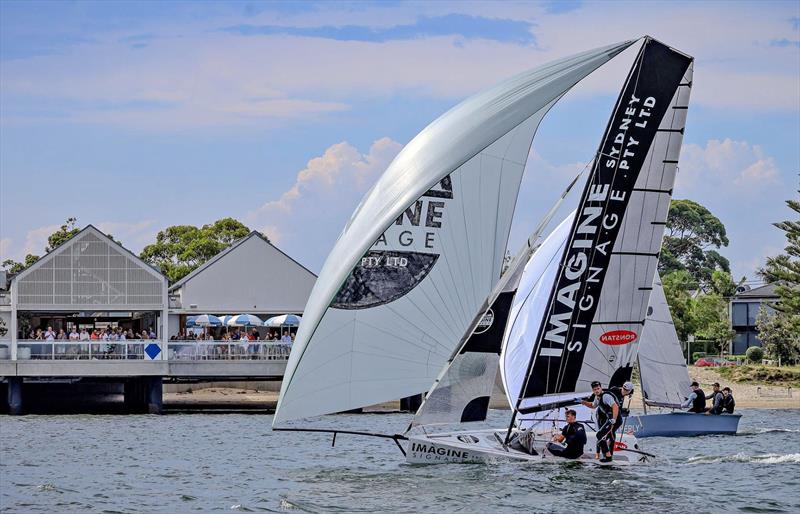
(767,458)
(759,431)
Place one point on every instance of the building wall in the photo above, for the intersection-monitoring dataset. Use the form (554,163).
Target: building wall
(254,277)
(743,321)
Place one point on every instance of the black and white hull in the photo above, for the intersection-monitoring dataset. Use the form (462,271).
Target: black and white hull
(487,446)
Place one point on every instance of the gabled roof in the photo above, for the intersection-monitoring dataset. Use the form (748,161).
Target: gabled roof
(94,230)
(765,291)
(225,252)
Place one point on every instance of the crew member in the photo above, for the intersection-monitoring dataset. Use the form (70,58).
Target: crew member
(696,400)
(728,403)
(572,439)
(716,397)
(608,405)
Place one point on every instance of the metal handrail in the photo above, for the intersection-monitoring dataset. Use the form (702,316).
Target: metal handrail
(30,349)
(227,350)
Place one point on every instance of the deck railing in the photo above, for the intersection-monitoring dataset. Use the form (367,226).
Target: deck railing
(135,349)
(77,350)
(228,350)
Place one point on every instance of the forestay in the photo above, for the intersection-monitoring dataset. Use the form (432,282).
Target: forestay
(595,312)
(463,389)
(422,251)
(662,366)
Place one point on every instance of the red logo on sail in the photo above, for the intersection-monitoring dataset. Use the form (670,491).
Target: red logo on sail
(618,337)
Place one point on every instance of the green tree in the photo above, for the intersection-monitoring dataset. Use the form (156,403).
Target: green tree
(779,336)
(710,317)
(677,288)
(13,266)
(784,269)
(693,233)
(64,233)
(180,249)
(722,284)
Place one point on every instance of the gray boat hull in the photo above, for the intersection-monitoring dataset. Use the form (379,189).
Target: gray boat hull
(682,424)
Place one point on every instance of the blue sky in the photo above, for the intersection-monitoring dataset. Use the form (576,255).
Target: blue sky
(136,116)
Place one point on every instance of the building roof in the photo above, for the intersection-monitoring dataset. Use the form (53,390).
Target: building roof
(177,285)
(88,228)
(765,291)
(90,271)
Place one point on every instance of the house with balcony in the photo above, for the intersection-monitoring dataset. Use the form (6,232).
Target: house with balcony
(744,308)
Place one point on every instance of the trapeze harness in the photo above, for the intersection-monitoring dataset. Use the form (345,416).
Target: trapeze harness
(606,422)
(699,402)
(728,404)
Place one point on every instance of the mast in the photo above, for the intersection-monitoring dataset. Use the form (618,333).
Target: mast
(585,313)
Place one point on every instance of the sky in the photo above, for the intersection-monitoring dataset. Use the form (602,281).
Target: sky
(134,116)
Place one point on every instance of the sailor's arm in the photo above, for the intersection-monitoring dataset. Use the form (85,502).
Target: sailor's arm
(689,400)
(615,411)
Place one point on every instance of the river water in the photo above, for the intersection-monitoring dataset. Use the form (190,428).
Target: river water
(220,463)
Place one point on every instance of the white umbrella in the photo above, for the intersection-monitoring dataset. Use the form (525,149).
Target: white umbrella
(285,320)
(245,320)
(207,320)
(225,319)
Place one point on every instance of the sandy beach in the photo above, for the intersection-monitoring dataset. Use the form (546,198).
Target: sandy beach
(240,396)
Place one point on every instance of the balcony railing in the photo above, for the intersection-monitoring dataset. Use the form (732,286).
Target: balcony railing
(135,349)
(77,350)
(227,350)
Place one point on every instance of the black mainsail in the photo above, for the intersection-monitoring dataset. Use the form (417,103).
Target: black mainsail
(597,306)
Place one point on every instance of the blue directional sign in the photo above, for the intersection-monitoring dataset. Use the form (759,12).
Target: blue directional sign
(152,350)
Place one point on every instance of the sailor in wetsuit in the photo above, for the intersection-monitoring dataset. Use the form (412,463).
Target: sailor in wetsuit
(716,398)
(728,403)
(696,400)
(608,405)
(572,439)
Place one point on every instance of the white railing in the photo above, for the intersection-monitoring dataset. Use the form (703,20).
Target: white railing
(134,349)
(227,350)
(77,350)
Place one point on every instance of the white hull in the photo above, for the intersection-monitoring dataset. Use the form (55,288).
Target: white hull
(487,446)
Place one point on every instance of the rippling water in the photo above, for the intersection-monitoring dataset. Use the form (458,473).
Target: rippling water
(229,462)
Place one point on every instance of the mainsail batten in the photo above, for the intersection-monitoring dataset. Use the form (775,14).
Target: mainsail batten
(596,308)
(365,337)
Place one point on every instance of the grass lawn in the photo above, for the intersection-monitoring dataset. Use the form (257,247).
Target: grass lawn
(772,375)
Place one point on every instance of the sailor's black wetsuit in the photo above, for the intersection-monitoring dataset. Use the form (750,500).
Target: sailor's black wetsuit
(574,441)
(606,423)
(716,406)
(699,402)
(728,404)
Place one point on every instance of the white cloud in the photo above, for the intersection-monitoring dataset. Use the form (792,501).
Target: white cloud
(36,240)
(733,167)
(207,77)
(324,195)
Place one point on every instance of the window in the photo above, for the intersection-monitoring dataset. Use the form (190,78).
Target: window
(752,313)
(739,314)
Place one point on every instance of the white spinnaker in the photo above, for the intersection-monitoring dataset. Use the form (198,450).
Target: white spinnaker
(528,308)
(662,366)
(462,391)
(348,358)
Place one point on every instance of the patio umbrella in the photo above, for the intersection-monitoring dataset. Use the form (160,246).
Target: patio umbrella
(207,320)
(284,320)
(225,319)
(190,321)
(245,320)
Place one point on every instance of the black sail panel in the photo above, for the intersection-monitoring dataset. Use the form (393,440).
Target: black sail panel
(592,248)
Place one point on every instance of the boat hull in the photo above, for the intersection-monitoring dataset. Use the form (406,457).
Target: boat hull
(486,446)
(682,424)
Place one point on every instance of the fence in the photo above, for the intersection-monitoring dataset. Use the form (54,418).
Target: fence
(135,349)
(72,350)
(227,350)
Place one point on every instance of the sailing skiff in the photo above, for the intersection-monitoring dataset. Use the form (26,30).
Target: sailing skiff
(412,293)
